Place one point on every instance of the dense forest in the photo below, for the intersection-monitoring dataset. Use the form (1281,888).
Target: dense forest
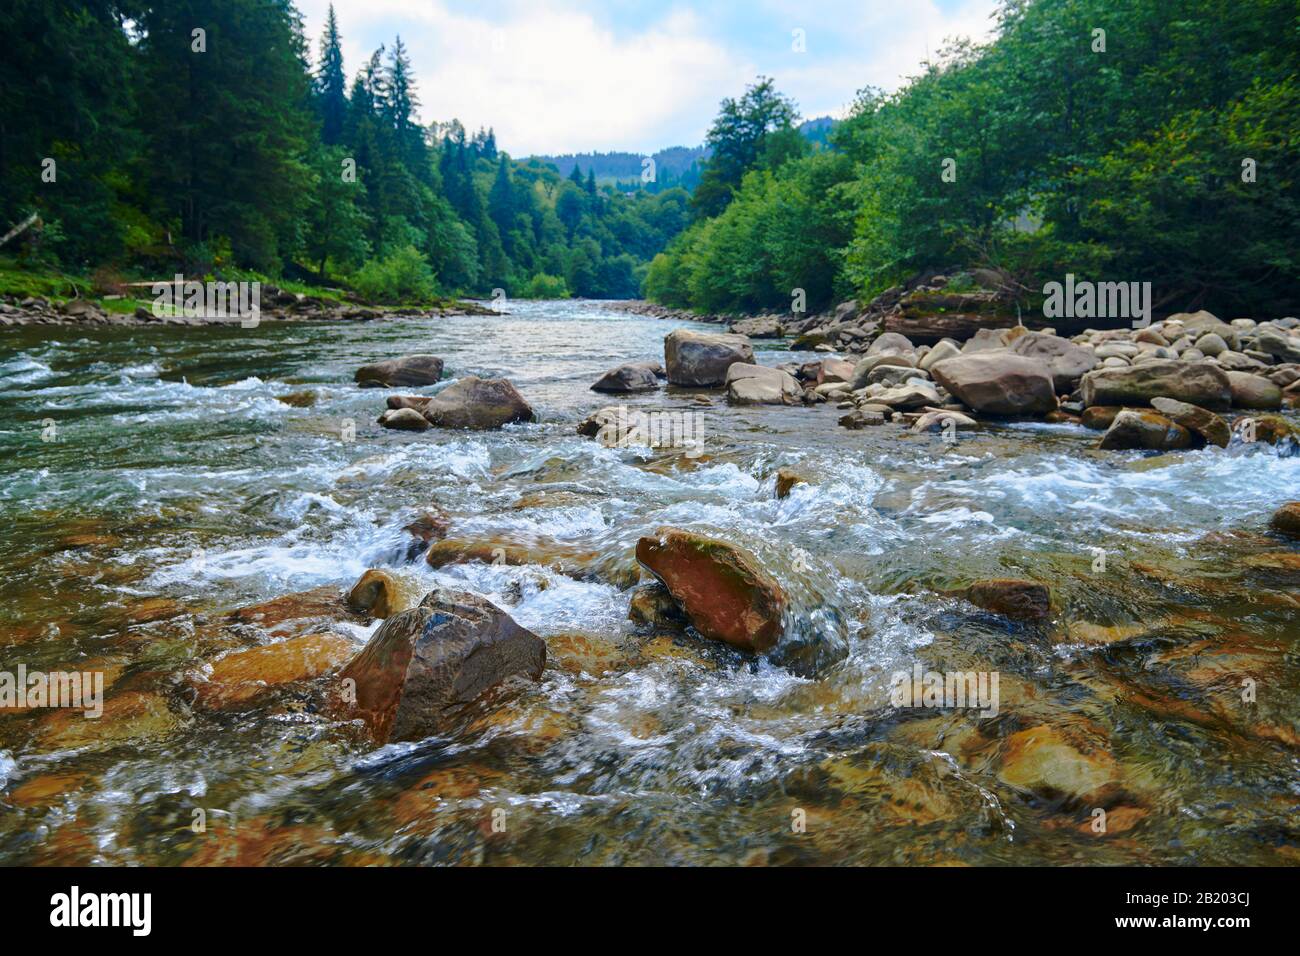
(199,135)
(1142,141)
(675,166)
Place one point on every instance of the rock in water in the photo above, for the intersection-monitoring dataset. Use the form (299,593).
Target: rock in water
(1011,597)
(1286,521)
(1202,421)
(758,385)
(627,378)
(700,359)
(786,479)
(424,667)
(723,590)
(1134,428)
(998,382)
(243,676)
(1194,383)
(652,606)
(478,403)
(399,372)
(404,419)
(375,594)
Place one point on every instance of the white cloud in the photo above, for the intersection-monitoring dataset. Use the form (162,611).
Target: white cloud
(551,77)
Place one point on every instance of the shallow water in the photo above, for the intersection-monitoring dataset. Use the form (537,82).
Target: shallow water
(175,487)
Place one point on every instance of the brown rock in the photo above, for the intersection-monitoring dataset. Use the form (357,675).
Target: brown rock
(998,382)
(1254,391)
(1202,421)
(1067,361)
(243,676)
(1099,417)
(1134,428)
(701,359)
(374,594)
(1013,598)
(1196,383)
(1043,762)
(786,480)
(424,667)
(725,593)
(652,606)
(401,372)
(478,403)
(1286,521)
(404,419)
(627,378)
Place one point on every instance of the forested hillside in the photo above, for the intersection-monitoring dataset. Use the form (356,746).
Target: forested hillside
(1101,139)
(676,166)
(199,135)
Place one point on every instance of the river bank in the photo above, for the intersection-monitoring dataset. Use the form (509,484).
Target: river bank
(282,306)
(209,498)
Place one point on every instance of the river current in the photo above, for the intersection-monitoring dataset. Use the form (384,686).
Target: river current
(151,480)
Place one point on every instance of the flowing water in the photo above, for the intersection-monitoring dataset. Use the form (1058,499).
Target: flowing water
(151,481)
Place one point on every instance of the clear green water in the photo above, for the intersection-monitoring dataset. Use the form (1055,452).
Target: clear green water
(180,488)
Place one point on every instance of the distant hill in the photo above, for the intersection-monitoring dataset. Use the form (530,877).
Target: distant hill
(675,166)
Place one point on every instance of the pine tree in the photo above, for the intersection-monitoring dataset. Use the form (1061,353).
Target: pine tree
(330,84)
(501,201)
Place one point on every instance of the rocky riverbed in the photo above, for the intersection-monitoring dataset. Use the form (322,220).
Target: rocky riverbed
(421,592)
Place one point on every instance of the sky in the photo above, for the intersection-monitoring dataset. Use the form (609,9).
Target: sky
(563,76)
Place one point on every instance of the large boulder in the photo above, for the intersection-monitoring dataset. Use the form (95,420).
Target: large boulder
(862,371)
(1138,428)
(1068,362)
(998,382)
(478,403)
(723,590)
(401,372)
(759,327)
(929,315)
(424,667)
(1254,391)
(1277,343)
(627,378)
(1195,383)
(759,385)
(701,359)
(1199,420)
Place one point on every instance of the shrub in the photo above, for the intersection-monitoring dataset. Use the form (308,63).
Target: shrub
(402,276)
(543,286)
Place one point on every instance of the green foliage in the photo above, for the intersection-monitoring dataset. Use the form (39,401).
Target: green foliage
(402,276)
(232,157)
(1121,165)
(543,286)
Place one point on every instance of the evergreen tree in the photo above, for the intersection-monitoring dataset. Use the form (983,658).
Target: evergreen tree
(330,83)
